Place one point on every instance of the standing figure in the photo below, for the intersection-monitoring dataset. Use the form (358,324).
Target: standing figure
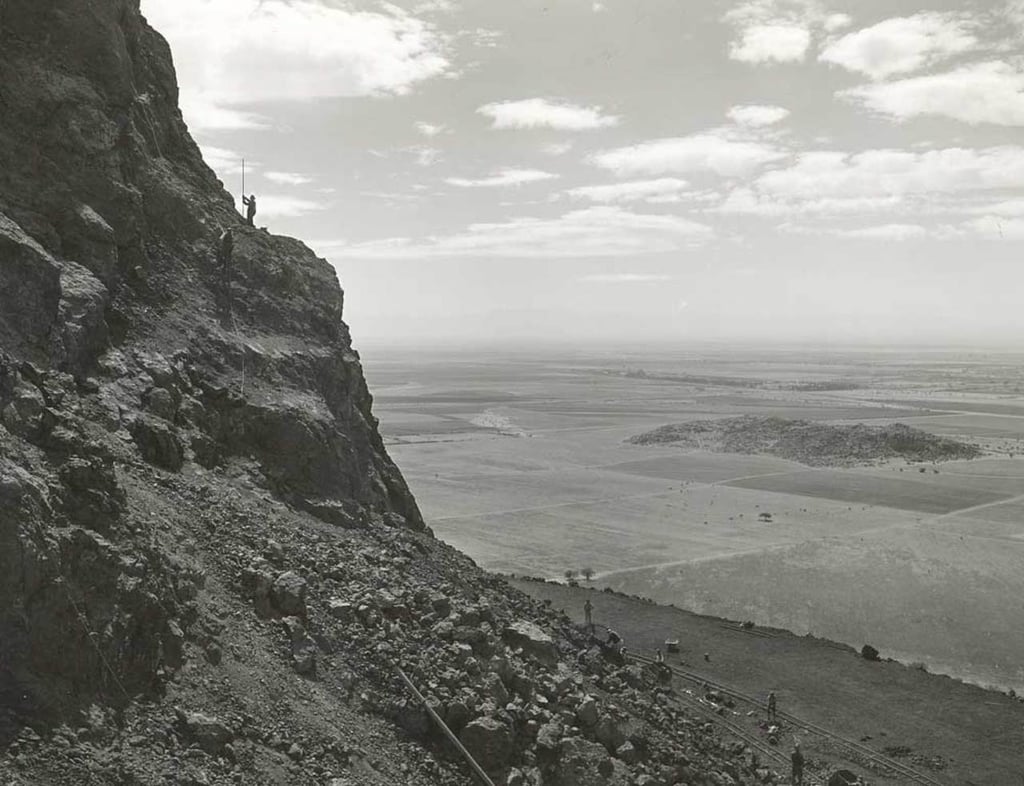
(771,707)
(588,614)
(797,758)
(250,208)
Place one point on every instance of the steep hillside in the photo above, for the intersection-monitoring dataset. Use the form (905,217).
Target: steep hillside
(814,444)
(209,567)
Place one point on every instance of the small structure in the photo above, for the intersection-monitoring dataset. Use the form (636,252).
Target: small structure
(671,645)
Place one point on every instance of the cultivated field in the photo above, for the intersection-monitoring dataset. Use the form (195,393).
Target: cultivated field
(523,461)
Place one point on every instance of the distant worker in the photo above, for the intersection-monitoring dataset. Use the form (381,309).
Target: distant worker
(225,249)
(588,613)
(771,707)
(250,208)
(707,657)
(659,658)
(797,758)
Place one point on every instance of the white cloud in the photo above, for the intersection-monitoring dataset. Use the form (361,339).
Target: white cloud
(712,151)
(224,161)
(557,148)
(894,232)
(757,115)
(778,43)
(991,92)
(233,54)
(542,113)
(504,177)
(1010,208)
(900,45)
(886,232)
(624,278)
(835,22)
(747,201)
(881,173)
(632,191)
(429,129)
(204,114)
(592,232)
(278,206)
(998,228)
(288,178)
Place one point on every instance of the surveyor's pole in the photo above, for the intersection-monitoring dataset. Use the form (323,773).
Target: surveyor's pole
(243,183)
(448,732)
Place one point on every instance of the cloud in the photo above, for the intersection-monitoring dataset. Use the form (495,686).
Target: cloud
(778,43)
(998,228)
(886,232)
(591,232)
(203,113)
(757,115)
(712,151)
(747,201)
(631,191)
(429,129)
(224,161)
(557,148)
(881,173)
(278,206)
(288,178)
(624,278)
(835,22)
(990,92)
(232,54)
(900,45)
(542,113)
(1010,208)
(504,177)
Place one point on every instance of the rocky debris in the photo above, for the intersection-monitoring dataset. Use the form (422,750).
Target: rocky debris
(813,444)
(489,741)
(288,594)
(211,734)
(303,648)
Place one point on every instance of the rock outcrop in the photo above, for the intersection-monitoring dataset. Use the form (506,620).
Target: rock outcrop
(209,567)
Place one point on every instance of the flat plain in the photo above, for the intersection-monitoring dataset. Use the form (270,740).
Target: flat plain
(522,461)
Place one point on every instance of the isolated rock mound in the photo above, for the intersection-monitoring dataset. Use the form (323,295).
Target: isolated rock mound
(814,444)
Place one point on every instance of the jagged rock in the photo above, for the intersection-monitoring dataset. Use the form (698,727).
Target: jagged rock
(587,712)
(532,640)
(24,412)
(160,402)
(210,733)
(489,741)
(303,648)
(584,763)
(158,443)
(609,733)
(288,594)
(29,292)
(627,752)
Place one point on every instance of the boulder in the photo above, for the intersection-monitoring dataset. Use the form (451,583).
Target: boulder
(158,442)
(303,648)
(532,640)
(489,741)
(288,594)
(210,733)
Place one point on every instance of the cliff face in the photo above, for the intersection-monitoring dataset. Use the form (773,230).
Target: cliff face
(209,566)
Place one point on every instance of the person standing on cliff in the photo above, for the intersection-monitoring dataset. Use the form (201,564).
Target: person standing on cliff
(771,707)
(225,250)
(588,614)
(250,208)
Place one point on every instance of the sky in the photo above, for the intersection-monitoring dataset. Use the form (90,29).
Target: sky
(616,171)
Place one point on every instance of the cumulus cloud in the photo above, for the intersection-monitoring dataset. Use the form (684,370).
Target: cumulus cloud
(778,43)
(591,232)
(429,129)
(632,191)
(278,206)
(290,49)
(990,92)
(542,113)
(881,173)
(288,178)
(503,177)
(835,22)
(224,161)
(757,115)
(900,45)
(557,148)
(714,152)
(203,113)
(747,201)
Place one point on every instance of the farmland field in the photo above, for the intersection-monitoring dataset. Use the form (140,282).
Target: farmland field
(523,462)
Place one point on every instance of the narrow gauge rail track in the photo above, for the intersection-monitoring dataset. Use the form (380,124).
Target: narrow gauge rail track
(861,750)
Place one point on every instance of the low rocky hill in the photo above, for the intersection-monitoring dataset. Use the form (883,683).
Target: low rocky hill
(814,444)
(210,569)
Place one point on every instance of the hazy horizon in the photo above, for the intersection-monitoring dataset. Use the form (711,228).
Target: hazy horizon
(753,170)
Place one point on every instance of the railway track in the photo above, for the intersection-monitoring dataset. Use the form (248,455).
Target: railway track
(862,751)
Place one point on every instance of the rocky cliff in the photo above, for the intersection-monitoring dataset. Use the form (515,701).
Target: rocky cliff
(209,566)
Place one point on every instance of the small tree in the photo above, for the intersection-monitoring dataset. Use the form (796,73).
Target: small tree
(588,573)
(766,517)
(570,574)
